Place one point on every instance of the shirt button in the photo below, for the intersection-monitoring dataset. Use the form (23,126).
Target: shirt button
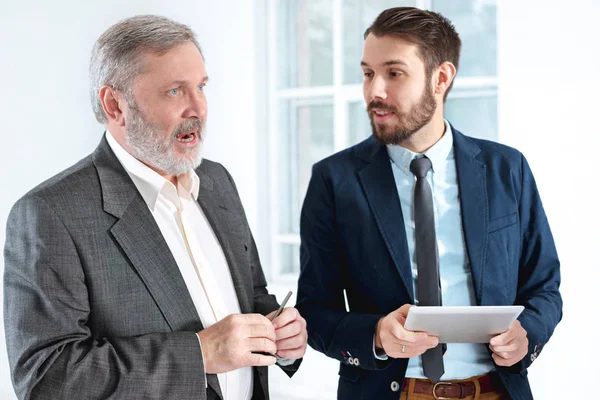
(395,386)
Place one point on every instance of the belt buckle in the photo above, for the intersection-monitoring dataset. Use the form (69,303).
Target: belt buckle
(435,396)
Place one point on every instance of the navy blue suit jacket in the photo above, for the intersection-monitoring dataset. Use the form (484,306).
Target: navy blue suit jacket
(353,240)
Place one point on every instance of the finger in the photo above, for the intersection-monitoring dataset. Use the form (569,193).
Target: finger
(254,318)
(427,342)
(409,351)
(430,342)
(290,330)
(261,331)
(259,360)
(505,355)
(403,311)
(505,362)
(509,347)
(400,333)
(503,338)
(411,348)
(288,315)
(513,332)
(250,319)
(516,324)
(498,360)
(414,338)
(291,343)
(261,344)
(292,354)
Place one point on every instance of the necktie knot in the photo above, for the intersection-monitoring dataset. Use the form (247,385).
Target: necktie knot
(420,166)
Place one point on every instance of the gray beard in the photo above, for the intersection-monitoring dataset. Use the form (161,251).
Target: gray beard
(145,140)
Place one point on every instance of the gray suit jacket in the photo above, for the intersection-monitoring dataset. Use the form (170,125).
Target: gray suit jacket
(95,305)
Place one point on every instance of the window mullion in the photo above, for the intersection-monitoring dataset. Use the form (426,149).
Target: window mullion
(340,112)
(274,209)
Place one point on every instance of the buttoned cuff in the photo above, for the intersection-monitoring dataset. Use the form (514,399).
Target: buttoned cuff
(379,354)
(284,362)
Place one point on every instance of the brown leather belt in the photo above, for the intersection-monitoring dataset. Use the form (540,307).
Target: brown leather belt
(458,389)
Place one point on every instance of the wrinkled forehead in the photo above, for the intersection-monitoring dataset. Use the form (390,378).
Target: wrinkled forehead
(181,63)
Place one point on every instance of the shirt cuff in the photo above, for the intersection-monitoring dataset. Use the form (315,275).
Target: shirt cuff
(379,354)
(203,370)
(284,362)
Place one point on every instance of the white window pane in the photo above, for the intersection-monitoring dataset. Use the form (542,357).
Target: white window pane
(358,16)
(305,43)
(359,127)
(305,137)
(474,116)
(475,22)
(289,258)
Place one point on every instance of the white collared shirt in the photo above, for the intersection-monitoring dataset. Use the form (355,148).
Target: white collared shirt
(195,248)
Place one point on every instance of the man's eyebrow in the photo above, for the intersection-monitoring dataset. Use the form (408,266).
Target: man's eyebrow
(182,82)
(387,63)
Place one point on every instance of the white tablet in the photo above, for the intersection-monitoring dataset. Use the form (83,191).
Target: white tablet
(477,324)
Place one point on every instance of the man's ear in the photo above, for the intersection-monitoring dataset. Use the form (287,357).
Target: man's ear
(444,76)
(112,103)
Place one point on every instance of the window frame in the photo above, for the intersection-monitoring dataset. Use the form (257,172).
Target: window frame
(343,95)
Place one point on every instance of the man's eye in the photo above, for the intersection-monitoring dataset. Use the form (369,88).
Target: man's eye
(174,92)
(201,88)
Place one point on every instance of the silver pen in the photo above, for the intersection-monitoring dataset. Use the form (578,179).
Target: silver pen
(283,303)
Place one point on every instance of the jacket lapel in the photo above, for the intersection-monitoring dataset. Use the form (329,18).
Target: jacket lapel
(377,181)
(220,218)
(140,238)
(473,201)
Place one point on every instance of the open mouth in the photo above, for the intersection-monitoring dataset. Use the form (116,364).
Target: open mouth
(188,137)
(381,114)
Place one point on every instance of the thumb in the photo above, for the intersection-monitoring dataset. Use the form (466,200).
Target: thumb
(403,311)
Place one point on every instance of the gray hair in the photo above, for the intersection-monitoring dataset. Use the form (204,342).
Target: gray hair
(115,60)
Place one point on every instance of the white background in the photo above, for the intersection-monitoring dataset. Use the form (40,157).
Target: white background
(548,103)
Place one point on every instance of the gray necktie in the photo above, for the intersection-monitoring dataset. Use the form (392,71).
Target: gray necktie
(428,274)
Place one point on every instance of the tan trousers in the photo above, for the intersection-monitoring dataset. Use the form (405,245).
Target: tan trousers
(410,395)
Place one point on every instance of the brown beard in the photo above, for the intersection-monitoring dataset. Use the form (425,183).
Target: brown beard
(409,123)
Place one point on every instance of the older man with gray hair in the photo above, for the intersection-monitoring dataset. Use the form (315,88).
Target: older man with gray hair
(134,274)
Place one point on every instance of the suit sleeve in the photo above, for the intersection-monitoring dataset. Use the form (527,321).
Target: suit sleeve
(539,272)
(264,302)
(52,353)
(332,330)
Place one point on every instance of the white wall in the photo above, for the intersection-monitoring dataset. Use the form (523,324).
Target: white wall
(47,122)
(548,108)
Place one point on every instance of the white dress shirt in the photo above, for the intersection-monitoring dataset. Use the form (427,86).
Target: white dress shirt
(196,250)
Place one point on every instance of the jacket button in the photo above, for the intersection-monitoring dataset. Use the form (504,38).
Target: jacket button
(395,386)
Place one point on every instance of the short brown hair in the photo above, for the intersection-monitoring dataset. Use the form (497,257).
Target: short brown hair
(434,34)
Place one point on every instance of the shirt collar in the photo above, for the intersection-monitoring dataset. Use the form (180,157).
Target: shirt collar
(149,182)
(438,153)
